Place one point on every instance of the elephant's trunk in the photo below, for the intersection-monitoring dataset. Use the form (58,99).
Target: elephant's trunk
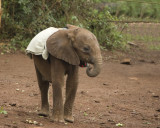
(94,70)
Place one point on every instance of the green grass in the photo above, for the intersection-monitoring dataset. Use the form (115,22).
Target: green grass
(145,38)
(154,47)
(136,8)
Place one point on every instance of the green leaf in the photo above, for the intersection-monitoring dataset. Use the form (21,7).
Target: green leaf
(85,114)
(3,111)
(119,125)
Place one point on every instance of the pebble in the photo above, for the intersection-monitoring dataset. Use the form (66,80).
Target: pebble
(106,84)
(102,123)
(35,122)
(111,121)
(155,96)
(133,112)
(96,101)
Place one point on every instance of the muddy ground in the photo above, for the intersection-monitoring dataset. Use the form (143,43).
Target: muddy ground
(122,95)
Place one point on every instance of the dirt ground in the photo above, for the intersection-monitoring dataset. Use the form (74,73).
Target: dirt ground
(122,95)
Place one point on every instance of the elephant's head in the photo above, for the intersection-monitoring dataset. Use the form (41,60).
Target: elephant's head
(74,45)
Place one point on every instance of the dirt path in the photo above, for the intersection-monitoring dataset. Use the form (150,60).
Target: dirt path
(125,94)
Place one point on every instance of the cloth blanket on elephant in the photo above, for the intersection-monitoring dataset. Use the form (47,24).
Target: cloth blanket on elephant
(37,46)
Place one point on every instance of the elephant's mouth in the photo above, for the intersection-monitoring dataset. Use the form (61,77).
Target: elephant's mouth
(83,64)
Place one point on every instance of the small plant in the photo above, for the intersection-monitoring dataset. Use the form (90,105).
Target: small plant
(2,111)
(85,114)
(119,125)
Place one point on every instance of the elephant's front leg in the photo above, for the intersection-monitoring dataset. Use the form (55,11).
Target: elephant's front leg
(71,89)
(57,73)
(58,109)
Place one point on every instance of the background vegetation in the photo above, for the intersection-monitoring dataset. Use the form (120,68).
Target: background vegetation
(23,19)
(146,9)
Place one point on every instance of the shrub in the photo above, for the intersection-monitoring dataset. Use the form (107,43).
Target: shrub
(23,19)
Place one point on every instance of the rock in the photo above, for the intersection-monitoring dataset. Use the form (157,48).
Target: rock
(152,62)
(96,101)
(158,110)
(27,85)
(40,124)
(106,84)
(12,104)
(126,61)
(35,122)
(132,44)
(134,112)
(82,92)
(110,112)
(31,95)
(133,78)
(123,109)
(154,95)
(111,121)
(102,123)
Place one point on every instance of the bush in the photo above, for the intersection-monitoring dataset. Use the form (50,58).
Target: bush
(23,19)
(106,32)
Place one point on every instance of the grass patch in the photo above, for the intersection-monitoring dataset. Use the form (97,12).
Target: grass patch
(145,38)
(154,47)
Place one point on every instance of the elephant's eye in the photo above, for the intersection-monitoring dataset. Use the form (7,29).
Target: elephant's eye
(86,49)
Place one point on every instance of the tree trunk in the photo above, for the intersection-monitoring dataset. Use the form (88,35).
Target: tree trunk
(0,13)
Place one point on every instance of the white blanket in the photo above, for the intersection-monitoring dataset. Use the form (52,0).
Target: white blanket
(37,46)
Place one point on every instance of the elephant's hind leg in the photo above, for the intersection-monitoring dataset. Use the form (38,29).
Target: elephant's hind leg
(43,86)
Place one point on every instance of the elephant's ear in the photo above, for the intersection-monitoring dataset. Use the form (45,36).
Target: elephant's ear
(69,26)
(60,46)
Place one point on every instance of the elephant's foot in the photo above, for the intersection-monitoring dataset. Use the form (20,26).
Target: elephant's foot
(59,119)
(43,112)
(69,118)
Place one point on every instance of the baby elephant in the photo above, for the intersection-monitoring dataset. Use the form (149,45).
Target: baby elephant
(66,48)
